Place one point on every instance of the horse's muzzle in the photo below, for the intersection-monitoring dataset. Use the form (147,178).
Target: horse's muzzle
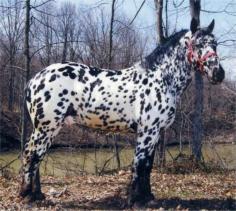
(218,75)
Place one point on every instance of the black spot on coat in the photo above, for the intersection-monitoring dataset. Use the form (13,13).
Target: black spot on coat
(71,111)
(53,78)
(94,71)
(134,126)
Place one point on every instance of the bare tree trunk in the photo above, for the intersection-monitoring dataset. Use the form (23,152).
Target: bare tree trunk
(111,33)
(160,148)
(11,84)
(166,15)
(11,29)
(195,7)
(197,120)
(48,46)
(27,70)
(159,9)
(117,155)
(66,24)
(1,106)
(64,48)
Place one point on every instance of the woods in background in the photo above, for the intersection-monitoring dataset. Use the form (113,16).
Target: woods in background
(94,36)
(58,34)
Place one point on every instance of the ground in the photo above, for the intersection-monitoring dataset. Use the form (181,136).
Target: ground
(173,191)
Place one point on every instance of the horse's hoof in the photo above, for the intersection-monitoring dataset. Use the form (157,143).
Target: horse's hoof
(141,201)
(152,203)
(24,192)
(144,204)
(38,196)
(150,197)
(138,205)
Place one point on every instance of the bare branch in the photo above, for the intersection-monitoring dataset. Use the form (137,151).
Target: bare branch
(56,43)
(43,3)
(9,163)
(228,42)
(41,11)
(111,33)
(136,14)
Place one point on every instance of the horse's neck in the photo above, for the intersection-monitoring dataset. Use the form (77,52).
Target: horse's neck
(175,70)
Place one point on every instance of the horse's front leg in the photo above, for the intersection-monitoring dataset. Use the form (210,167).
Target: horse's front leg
(140,189)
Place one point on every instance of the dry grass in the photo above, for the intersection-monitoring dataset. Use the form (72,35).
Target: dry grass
(173,191)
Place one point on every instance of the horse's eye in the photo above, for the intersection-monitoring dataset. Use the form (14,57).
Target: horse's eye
(214,45)
(198,45)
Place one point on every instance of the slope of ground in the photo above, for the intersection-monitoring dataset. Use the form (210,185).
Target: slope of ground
(173,191)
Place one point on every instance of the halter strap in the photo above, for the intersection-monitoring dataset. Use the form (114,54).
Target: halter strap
(191,54)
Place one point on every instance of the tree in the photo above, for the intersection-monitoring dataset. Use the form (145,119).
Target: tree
(27,70)
(111,33)
(195,7)
(44,26)
(67,15)
(160,156)
(159,22)
(11,33)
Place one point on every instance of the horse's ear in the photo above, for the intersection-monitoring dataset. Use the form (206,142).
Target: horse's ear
(193,25)
(211,26)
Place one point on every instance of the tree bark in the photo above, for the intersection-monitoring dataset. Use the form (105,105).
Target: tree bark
(160,151)
(111,33)
(195,7)
(27,72)
(197,120)
(166,15)
(11,83)
(64,52)
(160,32)
(116,148)
(160,148)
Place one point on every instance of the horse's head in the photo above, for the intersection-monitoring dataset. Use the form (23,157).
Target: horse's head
(202,52)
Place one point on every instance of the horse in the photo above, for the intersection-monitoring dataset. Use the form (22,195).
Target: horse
(140,99)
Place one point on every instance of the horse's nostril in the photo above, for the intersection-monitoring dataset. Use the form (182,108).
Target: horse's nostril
(218,75)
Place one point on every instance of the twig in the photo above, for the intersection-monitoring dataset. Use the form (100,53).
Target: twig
(12,161)
(39,5)
(217,154)
(136,14)
(169,153)
(107,161)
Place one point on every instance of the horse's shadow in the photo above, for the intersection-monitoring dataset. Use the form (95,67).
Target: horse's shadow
(118,203)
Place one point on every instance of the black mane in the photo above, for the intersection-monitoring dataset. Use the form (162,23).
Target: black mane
(158,54)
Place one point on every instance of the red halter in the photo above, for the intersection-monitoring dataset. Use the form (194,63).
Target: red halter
(200,61)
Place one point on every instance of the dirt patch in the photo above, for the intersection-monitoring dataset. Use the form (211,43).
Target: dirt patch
(173,191)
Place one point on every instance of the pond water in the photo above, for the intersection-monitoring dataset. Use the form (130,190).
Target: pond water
(61,162)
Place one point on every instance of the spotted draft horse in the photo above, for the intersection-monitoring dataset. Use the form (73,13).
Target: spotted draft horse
(139,99)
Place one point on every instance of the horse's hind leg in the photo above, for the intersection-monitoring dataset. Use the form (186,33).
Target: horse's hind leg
(33,154)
